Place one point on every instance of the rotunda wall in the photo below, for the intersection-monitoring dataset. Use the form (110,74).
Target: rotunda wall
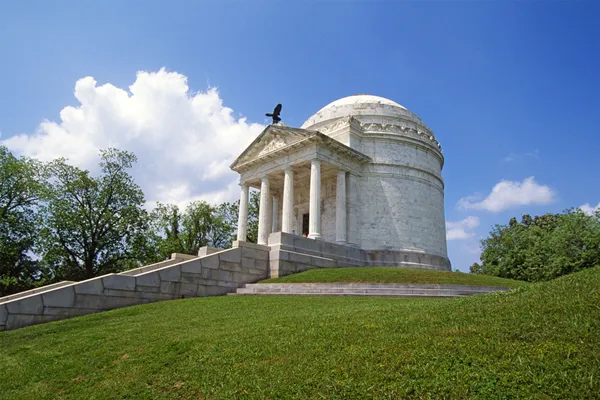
(401,214)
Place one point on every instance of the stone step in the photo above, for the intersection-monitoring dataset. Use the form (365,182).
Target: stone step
(373,292)
(364,289)
(375,286)
(429,295)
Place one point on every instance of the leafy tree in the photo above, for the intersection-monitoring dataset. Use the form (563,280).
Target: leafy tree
(20,191)
(253,208)
(542,248)
(93,225)
(165,223)
(475,268)
(199,225)
(225,224)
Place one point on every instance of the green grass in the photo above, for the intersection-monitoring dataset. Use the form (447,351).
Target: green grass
(394,275)
(541,341)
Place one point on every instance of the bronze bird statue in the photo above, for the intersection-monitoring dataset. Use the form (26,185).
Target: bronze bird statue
(275,114)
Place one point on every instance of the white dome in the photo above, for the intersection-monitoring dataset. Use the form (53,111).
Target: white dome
(361,99)
(360,105)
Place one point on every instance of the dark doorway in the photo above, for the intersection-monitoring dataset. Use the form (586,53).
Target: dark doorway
(305,225)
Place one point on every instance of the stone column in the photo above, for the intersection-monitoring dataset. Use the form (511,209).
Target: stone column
(340,208)
(263,212)
(352,212)
(314,218)
(274,219)
(243,215)
(287,215)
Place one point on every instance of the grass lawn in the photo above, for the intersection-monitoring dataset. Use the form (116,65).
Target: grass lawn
(540,341)
(394,275)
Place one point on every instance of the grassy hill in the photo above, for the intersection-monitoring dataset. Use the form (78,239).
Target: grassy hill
(394,275)
(539,341)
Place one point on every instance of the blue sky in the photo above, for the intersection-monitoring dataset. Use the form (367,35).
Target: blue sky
(511,89)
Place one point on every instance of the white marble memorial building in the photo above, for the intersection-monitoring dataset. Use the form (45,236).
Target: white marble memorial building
(361,179)
(363,173)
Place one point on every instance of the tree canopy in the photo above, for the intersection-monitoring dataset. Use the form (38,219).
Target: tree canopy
(20,191)
(200,224)
(541,248)
(92,225)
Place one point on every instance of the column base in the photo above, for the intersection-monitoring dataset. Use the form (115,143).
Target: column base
(316,236)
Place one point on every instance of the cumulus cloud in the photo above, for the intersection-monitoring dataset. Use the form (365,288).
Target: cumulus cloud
(460,230)
(184,141)
(588,209)
(510,194)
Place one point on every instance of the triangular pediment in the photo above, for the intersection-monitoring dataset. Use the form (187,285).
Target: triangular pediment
(273,139)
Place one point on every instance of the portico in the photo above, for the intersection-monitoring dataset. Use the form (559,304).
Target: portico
(302,174)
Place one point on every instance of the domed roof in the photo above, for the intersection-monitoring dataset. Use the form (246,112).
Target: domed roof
(359,104)
(359,99)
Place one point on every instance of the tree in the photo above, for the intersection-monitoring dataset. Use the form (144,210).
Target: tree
(93,225)
(225,224)
(165,229)
(198,223)
(253,208)
(20,191)
(201,224)
(475,268)
(542,248)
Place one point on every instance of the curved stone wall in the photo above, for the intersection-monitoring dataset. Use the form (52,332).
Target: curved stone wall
(401,214)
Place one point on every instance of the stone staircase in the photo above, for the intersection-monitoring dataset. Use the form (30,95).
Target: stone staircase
(213,272)
(363,289)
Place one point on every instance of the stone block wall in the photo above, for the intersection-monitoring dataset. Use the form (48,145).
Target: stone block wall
(182,276)
(36,290)
(291,254)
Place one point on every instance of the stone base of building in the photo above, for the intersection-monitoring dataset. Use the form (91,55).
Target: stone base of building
(290,254)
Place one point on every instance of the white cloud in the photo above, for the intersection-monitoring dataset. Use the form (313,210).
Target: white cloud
(534,155)
(510,194)
(459,230)
(588,209)
(184,141)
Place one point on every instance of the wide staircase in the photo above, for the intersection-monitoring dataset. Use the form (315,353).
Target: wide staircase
(212,272)
(362,289)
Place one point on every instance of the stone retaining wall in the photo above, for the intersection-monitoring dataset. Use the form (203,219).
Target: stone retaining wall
(291,254)
(36,290)
(214,274)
